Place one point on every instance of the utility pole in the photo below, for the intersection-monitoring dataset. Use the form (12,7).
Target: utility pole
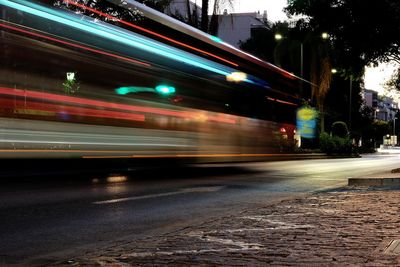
(350,93)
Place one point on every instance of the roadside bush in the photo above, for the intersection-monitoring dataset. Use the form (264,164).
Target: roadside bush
(335,144)
(339,128)
(343,145)
(326,143)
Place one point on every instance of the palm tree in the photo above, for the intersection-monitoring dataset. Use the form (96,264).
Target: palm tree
(317,61)
(320,74)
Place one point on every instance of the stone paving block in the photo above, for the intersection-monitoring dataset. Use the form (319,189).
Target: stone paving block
(347,227)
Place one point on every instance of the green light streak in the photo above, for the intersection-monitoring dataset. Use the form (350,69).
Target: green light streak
(133,89)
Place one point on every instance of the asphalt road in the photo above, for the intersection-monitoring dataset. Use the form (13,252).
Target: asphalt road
(45,219)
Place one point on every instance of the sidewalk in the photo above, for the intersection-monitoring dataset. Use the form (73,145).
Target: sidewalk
(346,227)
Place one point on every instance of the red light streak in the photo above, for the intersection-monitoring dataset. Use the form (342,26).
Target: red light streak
(109,105)
(75,45)
(88,102)
(148,31)
(281,101)
(69,110)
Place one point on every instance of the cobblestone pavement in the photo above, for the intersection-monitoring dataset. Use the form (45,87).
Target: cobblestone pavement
(347,227)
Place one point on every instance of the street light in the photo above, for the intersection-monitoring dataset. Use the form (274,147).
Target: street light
(279,37)
(334,71)
(325,35)
(394,132)
(350,93)
(376,111)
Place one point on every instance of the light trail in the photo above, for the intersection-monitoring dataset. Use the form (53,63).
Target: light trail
(193,115)
(192,156)
(182,191)
(130,156)
(22,105)
(281,101)
(87,48)
(149,31)
(124,37)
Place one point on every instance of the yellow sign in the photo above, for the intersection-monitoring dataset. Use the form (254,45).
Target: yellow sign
(307,122)
(306,114)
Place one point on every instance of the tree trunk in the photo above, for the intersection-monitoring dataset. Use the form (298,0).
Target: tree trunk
(189,13)
(204,16)
(322,118)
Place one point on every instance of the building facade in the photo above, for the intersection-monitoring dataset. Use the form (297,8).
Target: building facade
(237,27)
(384,108)
(233,28)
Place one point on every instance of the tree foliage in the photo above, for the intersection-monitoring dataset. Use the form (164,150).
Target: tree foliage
(113,9)
(335,144)
(394,81)
(262,42)
(339,128)
(364,31)
(298,39)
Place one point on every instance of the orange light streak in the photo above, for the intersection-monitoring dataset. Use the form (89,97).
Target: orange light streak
(188,155)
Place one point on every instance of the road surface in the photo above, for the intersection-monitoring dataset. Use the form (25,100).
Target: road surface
(44,220)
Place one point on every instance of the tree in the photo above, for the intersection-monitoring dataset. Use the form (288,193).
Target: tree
(339,128)
(115,9)
(262,42)
(364,31)
(211,26)
(299,38)
(204,16)
(320,73)
(394,82)
(316,66)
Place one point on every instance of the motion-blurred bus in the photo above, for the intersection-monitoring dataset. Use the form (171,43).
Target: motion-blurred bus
(116,79)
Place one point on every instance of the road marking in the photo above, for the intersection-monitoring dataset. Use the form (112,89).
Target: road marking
(204,189)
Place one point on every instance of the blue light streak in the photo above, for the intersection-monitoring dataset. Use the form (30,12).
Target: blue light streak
(125,37)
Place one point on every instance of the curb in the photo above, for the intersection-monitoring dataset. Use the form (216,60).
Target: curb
(374,181)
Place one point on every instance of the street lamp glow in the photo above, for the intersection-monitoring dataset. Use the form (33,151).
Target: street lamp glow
(376,113)
(278,36)
(325,35)
(334,71)
(236,76)
(70,76)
